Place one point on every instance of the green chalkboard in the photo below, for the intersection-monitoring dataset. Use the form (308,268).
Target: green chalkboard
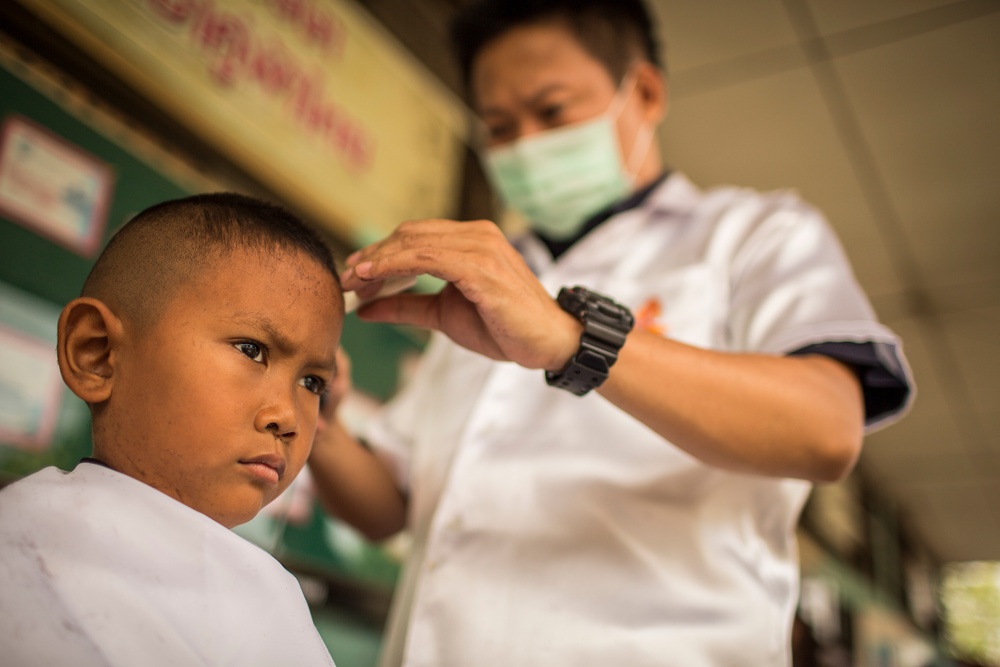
(34,263)
(40,275)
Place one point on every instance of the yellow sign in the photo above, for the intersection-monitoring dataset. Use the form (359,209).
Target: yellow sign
(310,96)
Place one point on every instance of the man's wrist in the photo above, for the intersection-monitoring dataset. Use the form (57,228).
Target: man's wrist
(605,325)
(570,330)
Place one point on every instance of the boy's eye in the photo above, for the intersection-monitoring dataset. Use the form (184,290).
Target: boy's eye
(314,384)
(254,351)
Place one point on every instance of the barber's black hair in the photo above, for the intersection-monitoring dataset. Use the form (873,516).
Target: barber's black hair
(614,32)
(169,243)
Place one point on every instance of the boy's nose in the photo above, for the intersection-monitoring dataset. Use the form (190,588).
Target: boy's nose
(278,416)
(279,432)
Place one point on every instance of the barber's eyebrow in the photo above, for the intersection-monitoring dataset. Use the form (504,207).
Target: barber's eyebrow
(535,98)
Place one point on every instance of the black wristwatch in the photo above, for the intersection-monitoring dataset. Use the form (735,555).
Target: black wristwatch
(605,325)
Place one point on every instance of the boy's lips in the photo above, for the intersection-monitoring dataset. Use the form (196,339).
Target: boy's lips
(268,467)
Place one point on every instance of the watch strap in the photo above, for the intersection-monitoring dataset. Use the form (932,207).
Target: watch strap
(605,326)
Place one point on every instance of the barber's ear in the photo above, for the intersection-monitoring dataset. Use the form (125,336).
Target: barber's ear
(89,339)
(654,91)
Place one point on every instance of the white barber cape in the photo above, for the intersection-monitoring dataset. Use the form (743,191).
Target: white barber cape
(553,530)
(98,569)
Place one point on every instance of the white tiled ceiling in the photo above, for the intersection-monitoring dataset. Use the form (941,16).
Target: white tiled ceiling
(885,116)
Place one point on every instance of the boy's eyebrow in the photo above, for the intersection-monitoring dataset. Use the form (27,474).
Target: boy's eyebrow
(279,340)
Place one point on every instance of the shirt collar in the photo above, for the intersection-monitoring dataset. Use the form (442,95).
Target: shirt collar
(671,199)
(557,248)
(95,461)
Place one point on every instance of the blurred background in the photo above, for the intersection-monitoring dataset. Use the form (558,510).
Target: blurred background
(882,113)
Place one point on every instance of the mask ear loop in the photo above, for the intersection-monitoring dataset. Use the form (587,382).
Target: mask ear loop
(645,134)
(625,89)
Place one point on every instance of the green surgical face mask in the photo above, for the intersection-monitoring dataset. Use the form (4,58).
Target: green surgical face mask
(558,178)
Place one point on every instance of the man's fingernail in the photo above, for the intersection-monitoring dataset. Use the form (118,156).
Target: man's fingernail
(363,269)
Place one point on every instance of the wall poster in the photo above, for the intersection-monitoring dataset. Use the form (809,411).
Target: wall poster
(52,187)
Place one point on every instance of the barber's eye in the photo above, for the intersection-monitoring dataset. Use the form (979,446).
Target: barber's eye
(551,112)
(253,351)
(314,384)
(501,132)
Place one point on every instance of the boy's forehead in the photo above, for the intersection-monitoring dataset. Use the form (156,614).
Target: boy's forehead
(282,277)
(277,292)
(258,263)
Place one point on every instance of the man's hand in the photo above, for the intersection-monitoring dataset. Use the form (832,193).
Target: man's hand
(335,392)
(492,304)
(351,482)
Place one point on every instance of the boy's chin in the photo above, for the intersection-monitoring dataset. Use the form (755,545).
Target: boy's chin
(234,520)
(233,516)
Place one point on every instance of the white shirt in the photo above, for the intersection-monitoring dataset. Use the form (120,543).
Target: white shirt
(98,569)
(556,530)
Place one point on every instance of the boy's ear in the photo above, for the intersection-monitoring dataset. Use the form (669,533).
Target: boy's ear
(89,337)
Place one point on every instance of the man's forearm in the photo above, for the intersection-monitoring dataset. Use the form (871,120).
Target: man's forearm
(354,485)
(796,417)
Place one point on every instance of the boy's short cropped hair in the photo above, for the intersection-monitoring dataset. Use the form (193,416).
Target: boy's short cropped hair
(615,32)
(167,244)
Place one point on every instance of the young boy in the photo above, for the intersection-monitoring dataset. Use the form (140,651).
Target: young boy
(202,342)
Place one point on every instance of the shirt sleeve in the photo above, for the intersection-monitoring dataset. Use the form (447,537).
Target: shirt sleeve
(884,383)
(390,432)
(792,289)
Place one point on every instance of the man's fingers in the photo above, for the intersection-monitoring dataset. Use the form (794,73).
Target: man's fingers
(378,289)
(419,310)
(431,233)
(448,264)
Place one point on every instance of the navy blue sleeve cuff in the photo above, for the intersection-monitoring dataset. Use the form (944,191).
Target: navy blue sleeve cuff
(877,366)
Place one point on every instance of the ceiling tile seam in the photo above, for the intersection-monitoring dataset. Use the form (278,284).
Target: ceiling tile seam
(859,155)
(901,28)
(949,299)
(710,77)
(887,222)
(973,435)
(701,79)
(974,438)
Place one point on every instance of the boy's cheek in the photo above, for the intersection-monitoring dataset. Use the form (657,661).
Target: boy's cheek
(298,453)
(299,461)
